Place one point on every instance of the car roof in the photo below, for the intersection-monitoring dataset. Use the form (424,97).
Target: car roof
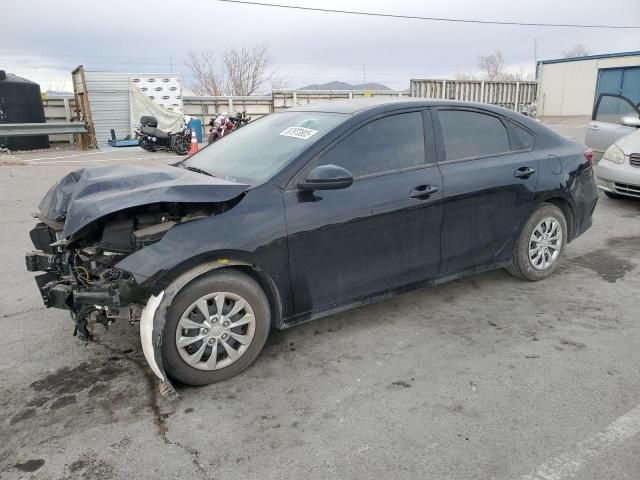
(381,105)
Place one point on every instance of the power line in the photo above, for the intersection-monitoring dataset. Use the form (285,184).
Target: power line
(431,19)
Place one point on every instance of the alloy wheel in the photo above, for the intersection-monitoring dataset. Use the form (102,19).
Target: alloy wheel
(545,243)
(215,331)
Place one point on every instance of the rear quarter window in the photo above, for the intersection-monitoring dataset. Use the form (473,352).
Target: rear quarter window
(469,134)
(523,139)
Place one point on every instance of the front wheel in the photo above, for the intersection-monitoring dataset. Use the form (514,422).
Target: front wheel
(180,144)
(540,245)
(215,328)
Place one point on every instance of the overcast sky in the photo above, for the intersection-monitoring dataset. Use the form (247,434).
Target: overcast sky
(44,43)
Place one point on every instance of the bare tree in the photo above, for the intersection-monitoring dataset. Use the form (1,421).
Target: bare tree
(578,50)
(206,80)
(493,66)
(243,71)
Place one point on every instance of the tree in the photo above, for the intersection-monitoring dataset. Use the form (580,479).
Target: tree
(492,66)
(243,71)
(206,80)
(578,50)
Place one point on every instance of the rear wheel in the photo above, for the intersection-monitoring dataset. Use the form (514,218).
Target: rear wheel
(540,245)
(180,144)
(145,145)
(215,328)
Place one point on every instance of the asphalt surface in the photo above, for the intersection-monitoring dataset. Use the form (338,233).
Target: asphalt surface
(486,377)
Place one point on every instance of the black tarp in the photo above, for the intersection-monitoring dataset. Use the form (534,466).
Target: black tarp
(20,102)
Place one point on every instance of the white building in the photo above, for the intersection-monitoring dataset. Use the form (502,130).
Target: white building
(571,86)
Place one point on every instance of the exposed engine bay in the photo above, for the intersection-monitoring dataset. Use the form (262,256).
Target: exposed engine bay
(91,219)
(81,275)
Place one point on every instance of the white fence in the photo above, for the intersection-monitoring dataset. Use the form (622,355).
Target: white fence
(514,95)
(61,107)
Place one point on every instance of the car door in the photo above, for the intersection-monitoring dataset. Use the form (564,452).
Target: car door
(489,178)
(380,232)
(608,122)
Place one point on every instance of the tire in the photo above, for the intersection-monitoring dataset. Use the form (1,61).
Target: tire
(181,144)
(212,138)
(542,265)
(231,285)
(613,195)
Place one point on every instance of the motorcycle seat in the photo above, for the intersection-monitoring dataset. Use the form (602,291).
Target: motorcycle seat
(154,132)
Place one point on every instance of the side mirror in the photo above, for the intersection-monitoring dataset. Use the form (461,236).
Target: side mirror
(327,177)
(631,121)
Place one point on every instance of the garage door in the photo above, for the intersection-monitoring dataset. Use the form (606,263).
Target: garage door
(620,81)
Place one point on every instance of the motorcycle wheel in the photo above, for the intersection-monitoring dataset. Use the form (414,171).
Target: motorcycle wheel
(181,144)
(213,137)
(145,145)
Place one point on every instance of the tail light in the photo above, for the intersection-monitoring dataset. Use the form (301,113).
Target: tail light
(588,154)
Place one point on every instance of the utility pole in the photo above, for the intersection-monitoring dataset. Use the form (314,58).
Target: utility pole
(364,75)
(171,64)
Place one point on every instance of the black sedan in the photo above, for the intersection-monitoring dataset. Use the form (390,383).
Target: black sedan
(302,214)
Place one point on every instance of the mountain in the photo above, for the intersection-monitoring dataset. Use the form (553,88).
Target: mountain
(345,86)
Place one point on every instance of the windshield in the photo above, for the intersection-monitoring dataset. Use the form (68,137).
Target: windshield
(256,152)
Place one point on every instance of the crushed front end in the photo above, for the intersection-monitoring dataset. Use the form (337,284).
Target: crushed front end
(94,218)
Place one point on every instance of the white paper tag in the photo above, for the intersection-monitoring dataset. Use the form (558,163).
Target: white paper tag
(299,132)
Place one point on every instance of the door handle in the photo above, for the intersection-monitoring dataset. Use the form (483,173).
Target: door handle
(423,191)
(593,127)
(524,172)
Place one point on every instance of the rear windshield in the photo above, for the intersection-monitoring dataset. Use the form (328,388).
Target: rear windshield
(257,151)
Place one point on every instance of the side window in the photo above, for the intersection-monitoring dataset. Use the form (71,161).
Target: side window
(387,144)
(523,139)
(612,109)
(469,134)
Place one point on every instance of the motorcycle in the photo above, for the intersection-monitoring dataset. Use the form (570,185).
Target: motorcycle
(224,124)
(152,139)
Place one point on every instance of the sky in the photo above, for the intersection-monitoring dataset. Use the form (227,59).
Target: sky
(44,43)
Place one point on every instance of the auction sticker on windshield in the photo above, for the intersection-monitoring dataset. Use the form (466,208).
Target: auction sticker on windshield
(299,132)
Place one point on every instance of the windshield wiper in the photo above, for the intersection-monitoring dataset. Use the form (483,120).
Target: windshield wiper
(197,170)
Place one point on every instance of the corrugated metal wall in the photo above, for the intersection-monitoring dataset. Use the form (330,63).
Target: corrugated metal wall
(109,100)
(513,95)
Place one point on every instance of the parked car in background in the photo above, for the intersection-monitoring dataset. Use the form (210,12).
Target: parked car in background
(305,213)
(618,172)
(614,117)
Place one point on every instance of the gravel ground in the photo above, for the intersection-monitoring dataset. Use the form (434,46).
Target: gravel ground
(483,378)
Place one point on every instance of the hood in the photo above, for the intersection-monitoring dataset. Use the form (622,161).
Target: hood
(83,196)
(630,143)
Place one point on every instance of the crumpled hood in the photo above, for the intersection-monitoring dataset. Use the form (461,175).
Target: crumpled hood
(86,195)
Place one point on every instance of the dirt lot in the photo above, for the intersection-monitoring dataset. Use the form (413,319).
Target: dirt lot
(482,378)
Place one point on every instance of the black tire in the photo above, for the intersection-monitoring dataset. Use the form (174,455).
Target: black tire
(613,195)
(181,144)
(225,280)
(212,137)
(522,266)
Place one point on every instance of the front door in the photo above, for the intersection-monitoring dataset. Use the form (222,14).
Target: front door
(489,180)
(383,230)
(607,124)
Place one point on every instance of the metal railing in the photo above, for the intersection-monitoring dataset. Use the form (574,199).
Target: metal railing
(31,129)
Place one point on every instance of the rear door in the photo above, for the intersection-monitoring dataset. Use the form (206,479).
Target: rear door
(607,122)
(489,178)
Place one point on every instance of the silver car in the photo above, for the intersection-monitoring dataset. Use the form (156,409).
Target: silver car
(618,172)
